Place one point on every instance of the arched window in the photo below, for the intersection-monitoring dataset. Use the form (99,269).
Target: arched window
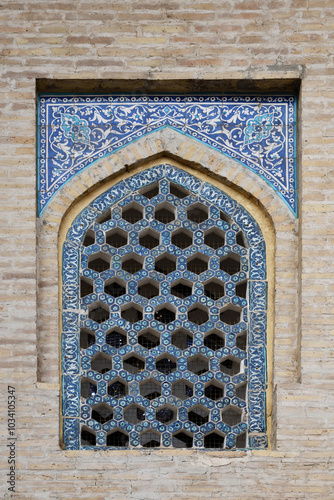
(164,318)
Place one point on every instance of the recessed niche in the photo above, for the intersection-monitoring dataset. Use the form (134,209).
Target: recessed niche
(165,264)
(101,363)
(132,213)
(197,213)
(230,264)
(117,238)
(241,289)
(134,414)
(118,439)
(86,286)
(182,389)
(149,239)
(99,262)
(117,389)
(149,338)
(241,341)
(182,238)
(150,389)
(148,288)
(115,288)
(165,213)
(89,238)
(102,413)
(181,289)
(230,366)
(116,338)
(214,238)
(150,191)
(214,289)
(134,364)
(182,339)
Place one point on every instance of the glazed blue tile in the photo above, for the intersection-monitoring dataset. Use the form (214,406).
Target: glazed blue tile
(257,408)
(258,329)
(70,264)
(71,433)
(71,392)
(70,352)
(257,369)
(258,295)
(80,225)
(258,441)
(70,322)
(257,257)
(70,297)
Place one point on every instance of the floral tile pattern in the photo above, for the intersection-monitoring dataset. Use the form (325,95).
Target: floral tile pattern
(257,131)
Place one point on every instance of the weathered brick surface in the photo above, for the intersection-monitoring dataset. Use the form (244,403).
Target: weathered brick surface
(246,45)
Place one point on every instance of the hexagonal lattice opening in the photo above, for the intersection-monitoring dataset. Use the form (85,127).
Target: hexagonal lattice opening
(182,389)
(134,364)
(182,440)
(149,238)
(116,338)
(98,312)
(117,238)
(241,391)
(232,415)
(132,263)
(150,439)
(115,288)
(99,262)
(182,238)
(214,440)
(198,364)
(149,338)
(166,364)
(197,213)
(118,439)
(89,238)
(102,413)
(181,289)
(150,191)
(230,366)
(225,217)
(148,288)
(214,340)
(88,388)
(240,441)
(165,315)
(133,212)
(132,313)
(178,191)
(214,238)
(198,315)
(165,264)
(150,389)
(241,240)
(165,213)
(241,340)
(198,415)
(230,264)
(241,289)
(104,217)
(87,338)
(231,315)
(165,415)
(182,339)
(86,286)
(88,437)
(117,389)
(214,289)
(134,414)
(101,363)
(214,391)
(197,264)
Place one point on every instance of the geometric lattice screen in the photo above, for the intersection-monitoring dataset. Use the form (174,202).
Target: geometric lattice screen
(164,318)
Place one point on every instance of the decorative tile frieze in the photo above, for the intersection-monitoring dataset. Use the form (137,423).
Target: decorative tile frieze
(257,131)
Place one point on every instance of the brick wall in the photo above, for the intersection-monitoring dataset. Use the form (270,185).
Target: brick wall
(245,45)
